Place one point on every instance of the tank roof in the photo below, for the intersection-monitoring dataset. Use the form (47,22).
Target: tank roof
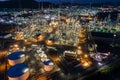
(16,55)
(17,70)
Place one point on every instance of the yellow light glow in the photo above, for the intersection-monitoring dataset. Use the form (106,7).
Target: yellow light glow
(34,40)
(16,45)
(25,40)
(50,30)
(85,56)
(40,38)
(86,64)
(79,52)
(49,42)
(90,18)
(28,42)
(82,60)
(53,24)
(79,47)
(82,35)
(57,32)
(42,78)
(56,59)
(82,40)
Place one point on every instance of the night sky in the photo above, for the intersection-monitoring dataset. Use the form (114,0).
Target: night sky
(34,3)
(4,0)
(74,1)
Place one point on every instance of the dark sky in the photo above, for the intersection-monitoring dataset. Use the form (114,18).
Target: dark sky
(80,1)
(34,4)
(75,1)
(3,0)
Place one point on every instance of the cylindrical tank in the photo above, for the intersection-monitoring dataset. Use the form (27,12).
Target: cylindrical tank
(18,72)
(48,65)
(16,58)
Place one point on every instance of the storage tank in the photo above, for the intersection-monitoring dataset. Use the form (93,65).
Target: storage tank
(48,65)
(18,72)
(16,57)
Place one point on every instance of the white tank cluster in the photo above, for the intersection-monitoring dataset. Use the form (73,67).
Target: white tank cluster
(16,58)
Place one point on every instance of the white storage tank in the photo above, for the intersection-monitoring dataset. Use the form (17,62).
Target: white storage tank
(16,58)
(48,65)
(18,72)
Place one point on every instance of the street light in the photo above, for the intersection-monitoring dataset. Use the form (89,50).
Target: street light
(41,38)
(49,42)
(85,56)
(15,45)
(100,64)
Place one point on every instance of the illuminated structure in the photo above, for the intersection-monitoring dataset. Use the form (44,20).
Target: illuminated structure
(18,72)
(99,56)
(84,57)
(16,58)
(52,32)
(49,42)
(48,65)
